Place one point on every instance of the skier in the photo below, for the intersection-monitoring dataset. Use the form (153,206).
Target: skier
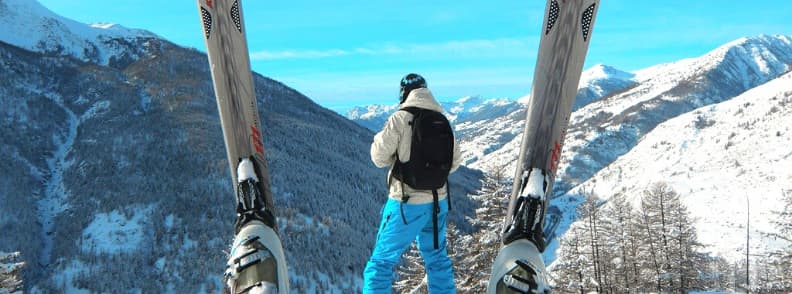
(412,213)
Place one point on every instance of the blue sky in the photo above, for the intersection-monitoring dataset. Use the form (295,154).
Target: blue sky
(345,53)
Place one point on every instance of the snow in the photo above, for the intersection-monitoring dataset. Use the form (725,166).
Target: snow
(717,167)
(245,171)
(169,222)
(591,77)
(370,111)
(113,232)
(65,278)
(160,264)
(29,25)
(536,184)
(56,196)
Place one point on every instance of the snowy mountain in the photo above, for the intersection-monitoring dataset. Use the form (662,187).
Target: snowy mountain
(29,25)
(372,117)
(115,167)
(464,109)
(717,158)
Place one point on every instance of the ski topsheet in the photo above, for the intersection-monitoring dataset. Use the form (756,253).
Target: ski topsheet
(224,32)
(566,33)
(229,61)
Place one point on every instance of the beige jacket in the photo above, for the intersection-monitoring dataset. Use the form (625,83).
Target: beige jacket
(396,136)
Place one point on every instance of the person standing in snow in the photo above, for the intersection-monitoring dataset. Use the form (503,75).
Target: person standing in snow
(412,213)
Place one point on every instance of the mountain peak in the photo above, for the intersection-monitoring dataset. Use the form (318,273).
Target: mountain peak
(600,72)
(744,60)
(29,25)
(603,71)
(468,99)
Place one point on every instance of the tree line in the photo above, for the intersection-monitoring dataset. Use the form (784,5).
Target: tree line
(616,245)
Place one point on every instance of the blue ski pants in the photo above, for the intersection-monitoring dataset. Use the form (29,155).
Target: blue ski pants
(394,237)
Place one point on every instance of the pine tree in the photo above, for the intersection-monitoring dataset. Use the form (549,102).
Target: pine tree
(476,253)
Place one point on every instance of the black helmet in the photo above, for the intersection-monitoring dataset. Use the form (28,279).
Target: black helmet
(410,82)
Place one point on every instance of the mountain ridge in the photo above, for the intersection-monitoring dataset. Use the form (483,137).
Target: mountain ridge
(29,25)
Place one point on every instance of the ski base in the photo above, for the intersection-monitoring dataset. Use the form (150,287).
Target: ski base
(519,269)
(257,263)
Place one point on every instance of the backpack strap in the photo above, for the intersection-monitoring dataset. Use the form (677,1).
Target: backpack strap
(405,197)
(448,193)
(435,211)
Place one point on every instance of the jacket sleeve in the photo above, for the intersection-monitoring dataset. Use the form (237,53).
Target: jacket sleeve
(386,143)
(457,157)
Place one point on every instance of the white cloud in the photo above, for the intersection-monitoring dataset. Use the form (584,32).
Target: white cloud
(494,47)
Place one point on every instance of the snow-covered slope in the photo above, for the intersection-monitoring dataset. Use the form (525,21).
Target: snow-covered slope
(717,158)
(29,25)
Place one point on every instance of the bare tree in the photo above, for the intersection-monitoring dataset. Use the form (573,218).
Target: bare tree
(570,271)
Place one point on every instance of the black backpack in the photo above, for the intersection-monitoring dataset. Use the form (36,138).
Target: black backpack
(431,156)
(431,151)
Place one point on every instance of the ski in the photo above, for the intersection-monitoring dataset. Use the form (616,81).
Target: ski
(256,261)
(566,33)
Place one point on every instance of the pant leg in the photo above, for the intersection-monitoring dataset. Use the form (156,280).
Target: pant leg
(439,270)
(393,238)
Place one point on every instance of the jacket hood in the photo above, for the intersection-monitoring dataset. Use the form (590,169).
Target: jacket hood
(422,98)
